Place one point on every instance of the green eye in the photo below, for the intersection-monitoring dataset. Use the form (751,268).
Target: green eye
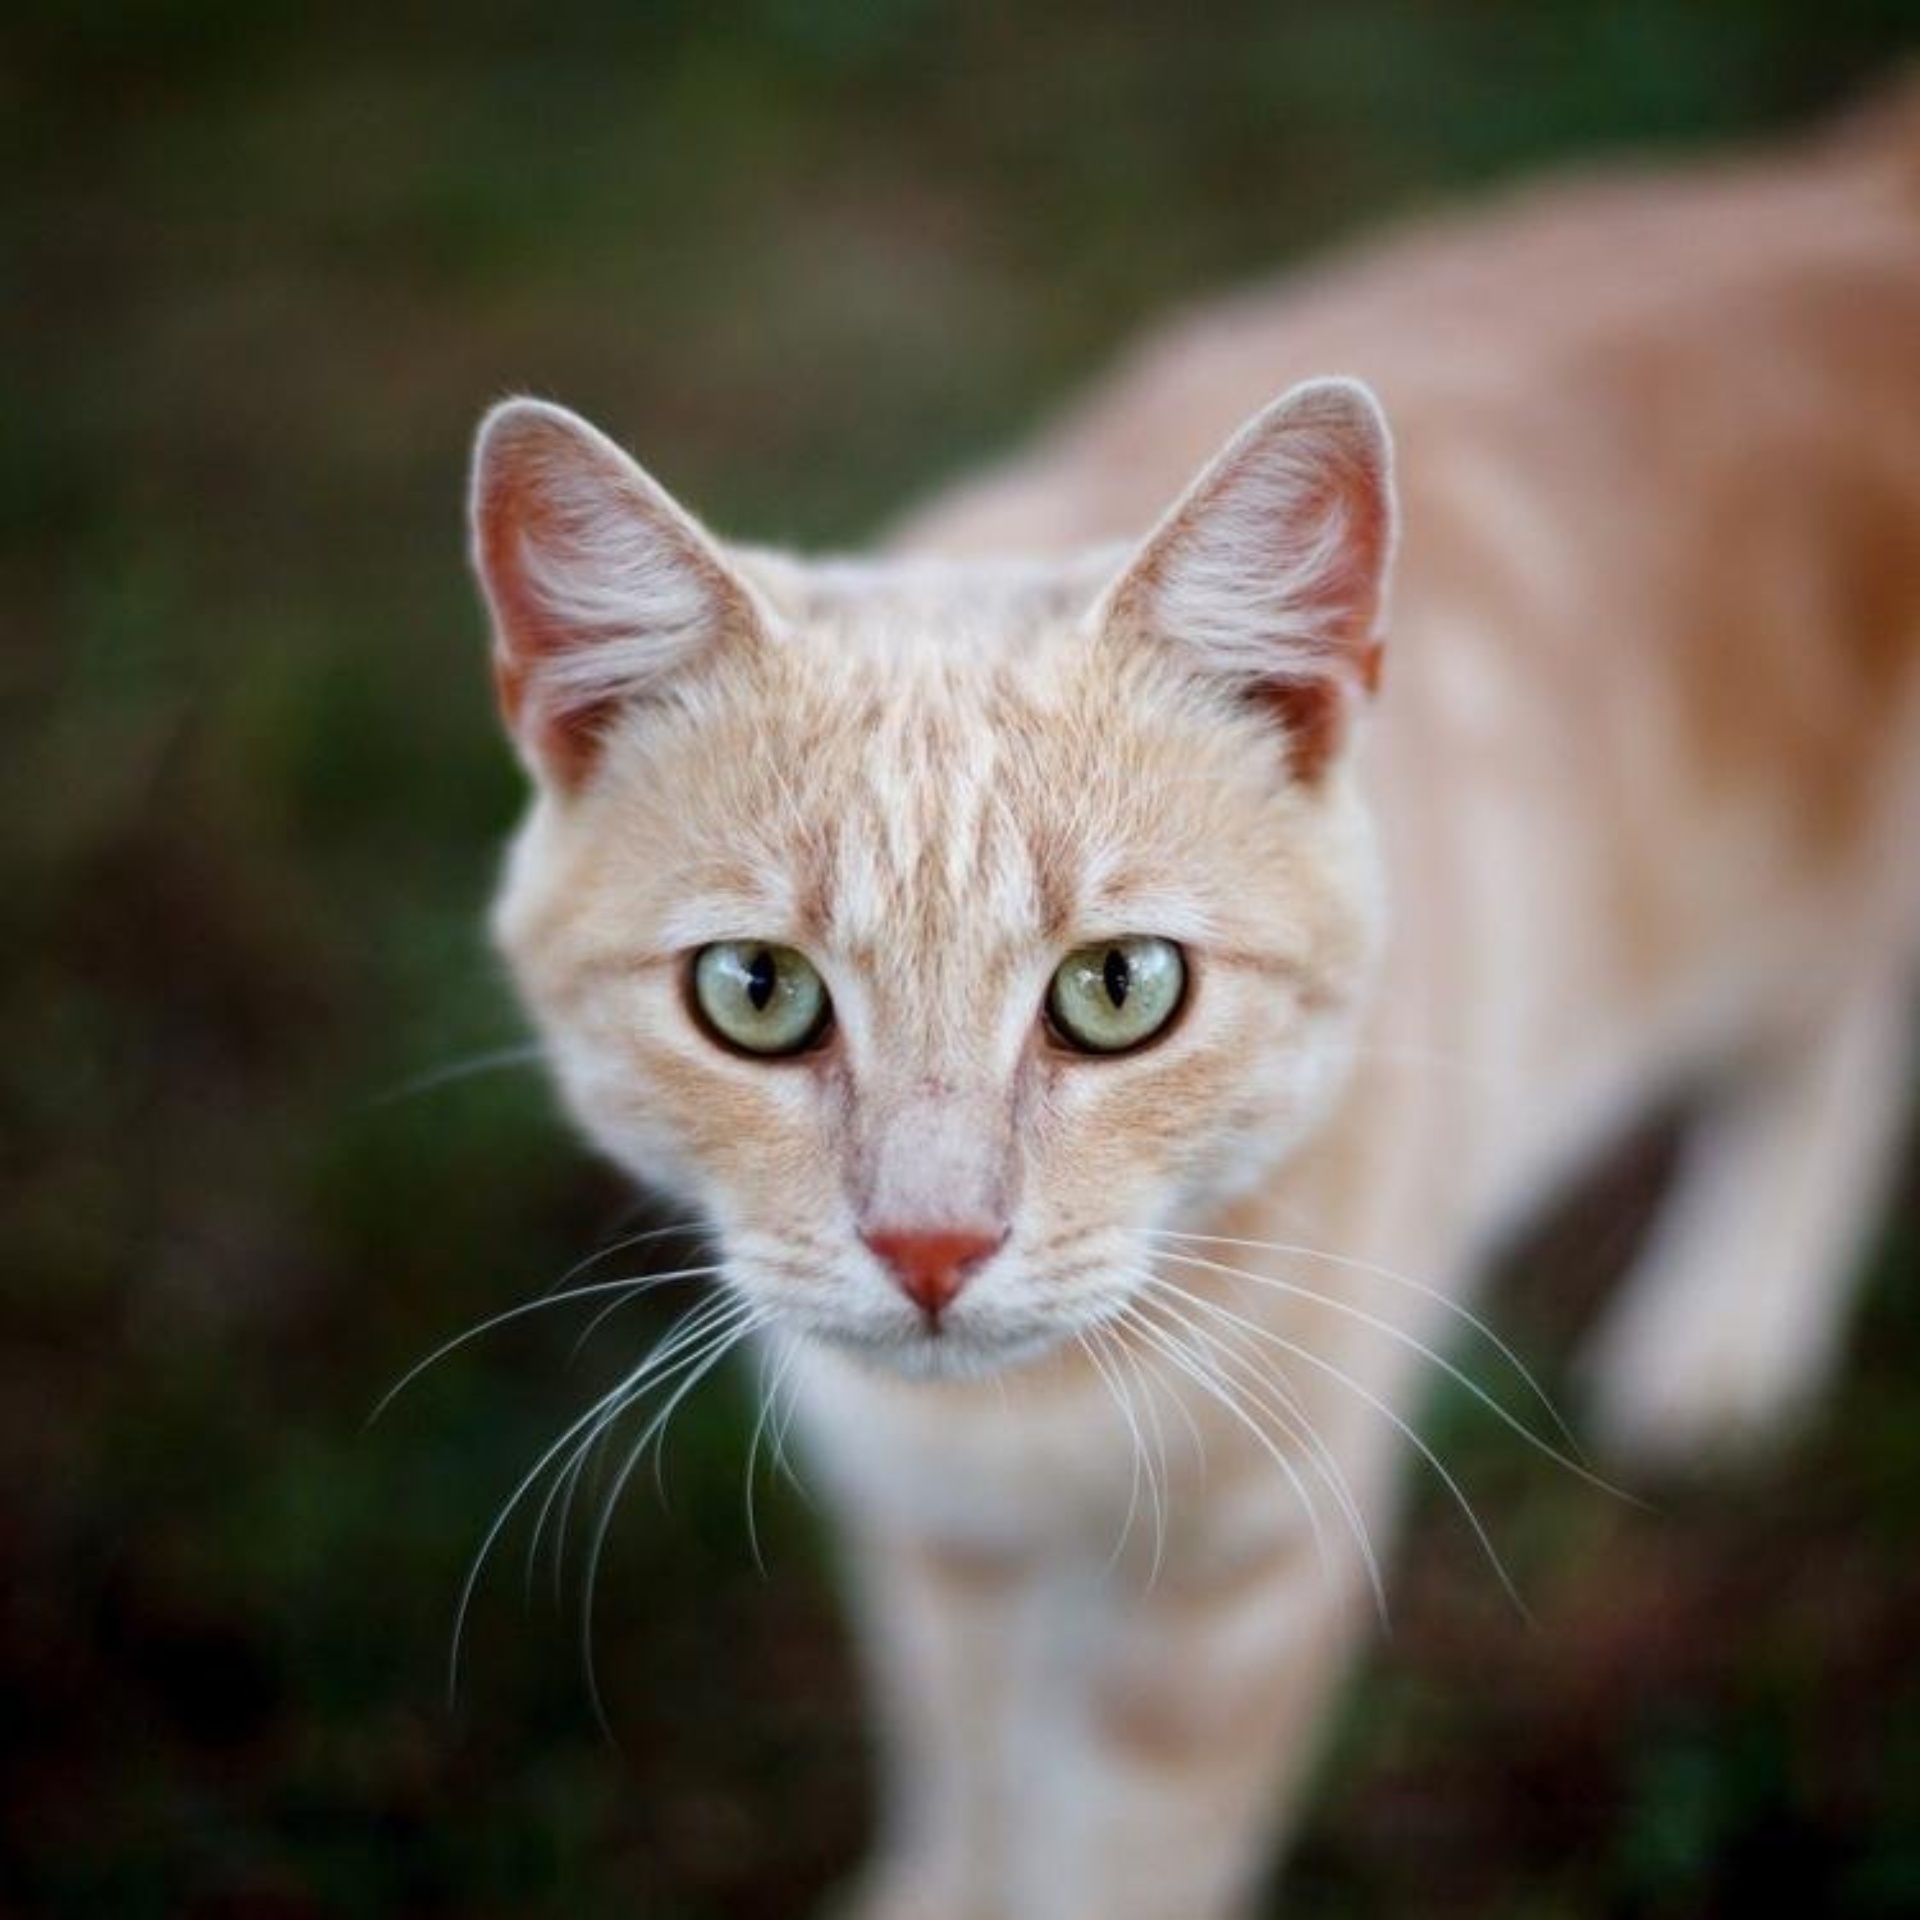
(1118,994)
(760,998)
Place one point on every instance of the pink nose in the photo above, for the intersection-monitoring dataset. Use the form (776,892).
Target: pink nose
(931,1267)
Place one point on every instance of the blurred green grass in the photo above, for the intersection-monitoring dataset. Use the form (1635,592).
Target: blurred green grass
(262,270)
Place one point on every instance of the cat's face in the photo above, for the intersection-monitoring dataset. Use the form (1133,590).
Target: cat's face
(936,930)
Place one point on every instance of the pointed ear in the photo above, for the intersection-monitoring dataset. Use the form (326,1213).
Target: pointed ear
(600,586)
(1270,571)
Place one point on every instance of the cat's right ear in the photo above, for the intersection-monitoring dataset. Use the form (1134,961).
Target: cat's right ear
(600,585)
(1269,574)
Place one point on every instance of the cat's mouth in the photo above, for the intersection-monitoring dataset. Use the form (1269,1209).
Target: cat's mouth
(952,1348)
(980,1333)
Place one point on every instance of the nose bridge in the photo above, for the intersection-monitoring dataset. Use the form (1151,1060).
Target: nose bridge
(932,1096)
(936,1153)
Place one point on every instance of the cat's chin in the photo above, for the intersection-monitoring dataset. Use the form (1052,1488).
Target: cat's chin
(952,1353)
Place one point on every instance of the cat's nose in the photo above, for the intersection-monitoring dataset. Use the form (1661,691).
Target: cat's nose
(931,1265)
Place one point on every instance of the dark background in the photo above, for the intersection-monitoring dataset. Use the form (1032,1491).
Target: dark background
(262,269)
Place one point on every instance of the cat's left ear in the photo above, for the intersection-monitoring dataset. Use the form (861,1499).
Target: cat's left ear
(1270,571)
(601,586)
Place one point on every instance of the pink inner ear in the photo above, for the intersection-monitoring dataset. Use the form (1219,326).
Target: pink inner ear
(1339,529)
(516,511)
(600,586)
(1341,594)
(1268,574)
(1313,716)
(1313,713)
(1344,596)
(566,742)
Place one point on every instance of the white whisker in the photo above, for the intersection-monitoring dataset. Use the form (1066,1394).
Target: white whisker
(1222,1394)
(1163,1506)
(505,1514)
(774,1360)
(697,1367)
(691,1229)
(1294,1421)
(689,1329)
(1415,1345)
(630,1285)
(1372,1399)
(1375,1271)
(525,1055)
(783,1424)
(1117,1394)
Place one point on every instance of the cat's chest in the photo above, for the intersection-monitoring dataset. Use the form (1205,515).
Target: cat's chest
(978,1466)
(1064,1469)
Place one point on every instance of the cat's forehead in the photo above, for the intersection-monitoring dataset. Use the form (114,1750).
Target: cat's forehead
(905,767)
(890,611)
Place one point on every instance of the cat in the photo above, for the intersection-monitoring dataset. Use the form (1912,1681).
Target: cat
(1107,1010)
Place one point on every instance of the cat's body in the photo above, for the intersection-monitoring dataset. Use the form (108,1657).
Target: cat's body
(1644,773)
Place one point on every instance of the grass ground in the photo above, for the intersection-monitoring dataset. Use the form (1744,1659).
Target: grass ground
(263,268)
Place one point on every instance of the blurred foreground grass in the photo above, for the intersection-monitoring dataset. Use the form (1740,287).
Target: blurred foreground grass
(263,268)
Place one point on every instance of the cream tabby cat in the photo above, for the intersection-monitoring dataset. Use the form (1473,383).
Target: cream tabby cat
(989,939)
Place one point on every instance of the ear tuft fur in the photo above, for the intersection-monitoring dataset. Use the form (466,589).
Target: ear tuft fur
(600,586)
(1271,570)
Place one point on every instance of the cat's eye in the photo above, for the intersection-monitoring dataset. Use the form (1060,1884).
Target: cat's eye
(1117,994)
(760,998)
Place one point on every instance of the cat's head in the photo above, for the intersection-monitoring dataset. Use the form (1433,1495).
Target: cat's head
(937,928)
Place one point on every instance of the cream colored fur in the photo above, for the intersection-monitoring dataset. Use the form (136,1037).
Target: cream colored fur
(1639,785)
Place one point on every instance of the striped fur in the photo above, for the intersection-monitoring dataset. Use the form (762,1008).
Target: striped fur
(1641,786)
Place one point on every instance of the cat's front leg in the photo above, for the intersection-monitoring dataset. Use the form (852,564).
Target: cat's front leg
(956,1655)
(1201,1697)
(1067,1739)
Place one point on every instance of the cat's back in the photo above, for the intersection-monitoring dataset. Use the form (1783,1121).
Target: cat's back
(1633,314)
(1658,444)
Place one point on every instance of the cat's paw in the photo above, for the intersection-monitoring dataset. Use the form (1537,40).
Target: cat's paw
(1678,1383)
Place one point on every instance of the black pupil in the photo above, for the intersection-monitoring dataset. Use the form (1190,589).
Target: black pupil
(761,975)
(1118,976)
